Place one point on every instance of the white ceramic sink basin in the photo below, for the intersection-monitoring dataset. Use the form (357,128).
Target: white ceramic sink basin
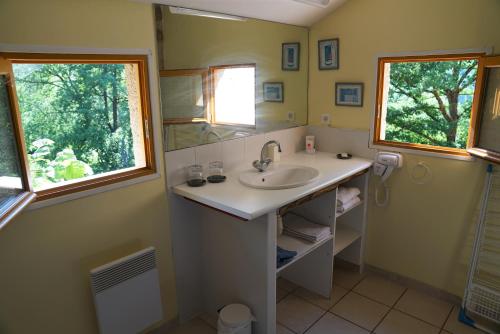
(279,177)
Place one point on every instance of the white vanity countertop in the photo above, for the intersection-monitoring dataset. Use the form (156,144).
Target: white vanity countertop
(237,199)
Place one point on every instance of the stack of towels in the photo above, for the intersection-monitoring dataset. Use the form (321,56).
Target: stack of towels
(299,227)
(347,198)
(284,256)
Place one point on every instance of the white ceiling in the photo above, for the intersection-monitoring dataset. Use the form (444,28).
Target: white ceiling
(284,11)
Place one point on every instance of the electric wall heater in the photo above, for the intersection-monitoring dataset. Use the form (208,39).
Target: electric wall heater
(127,293)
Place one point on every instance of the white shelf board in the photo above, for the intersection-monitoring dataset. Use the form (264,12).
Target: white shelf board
(338,214)
(302,247)
(344,236)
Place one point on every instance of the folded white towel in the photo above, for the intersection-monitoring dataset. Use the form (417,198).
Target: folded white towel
(346,206)
(300,227)
(345,194)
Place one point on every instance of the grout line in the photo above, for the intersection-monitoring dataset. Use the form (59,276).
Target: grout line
(314,323)
(390,309)
(447,318)
(349,321)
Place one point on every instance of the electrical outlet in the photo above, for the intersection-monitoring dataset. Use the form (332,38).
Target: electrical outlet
(325,119)
(290,116)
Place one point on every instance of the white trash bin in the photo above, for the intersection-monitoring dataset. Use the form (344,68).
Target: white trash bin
(235,319)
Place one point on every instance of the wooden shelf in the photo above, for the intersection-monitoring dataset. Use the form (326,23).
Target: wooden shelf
(302,247)
(338,214)
(344,237)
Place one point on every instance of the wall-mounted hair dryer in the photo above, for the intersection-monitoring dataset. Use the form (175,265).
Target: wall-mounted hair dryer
(385,163)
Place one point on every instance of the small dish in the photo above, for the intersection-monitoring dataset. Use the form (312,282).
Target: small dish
(339,156)
(216,178)
(196,182)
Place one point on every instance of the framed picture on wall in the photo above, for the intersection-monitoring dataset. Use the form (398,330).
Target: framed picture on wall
(273,92)
(328,54)
(349,94)
(290,57)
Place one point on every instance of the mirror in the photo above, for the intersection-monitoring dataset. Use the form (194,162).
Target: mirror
(224,79)
(487,130)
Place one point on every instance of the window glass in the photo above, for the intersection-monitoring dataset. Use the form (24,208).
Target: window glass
(427,102)
(234,95)
(80,120)
(11,183)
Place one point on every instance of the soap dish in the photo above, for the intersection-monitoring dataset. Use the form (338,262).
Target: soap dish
(339,156)
(196,183)
(216,178)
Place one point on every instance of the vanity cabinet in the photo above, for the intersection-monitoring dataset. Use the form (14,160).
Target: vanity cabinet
(225,239)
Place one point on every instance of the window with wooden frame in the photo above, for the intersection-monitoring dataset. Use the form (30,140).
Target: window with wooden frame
(232,89)
(426,102)
(184,96)
(83,121)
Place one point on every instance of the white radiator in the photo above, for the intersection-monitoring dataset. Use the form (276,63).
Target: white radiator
(127,293)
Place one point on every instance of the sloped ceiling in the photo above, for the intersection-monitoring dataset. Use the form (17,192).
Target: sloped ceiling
(284,11)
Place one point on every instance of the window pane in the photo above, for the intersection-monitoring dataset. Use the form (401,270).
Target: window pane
(10,170)
(428,102)
(235,95)
(182,97)
(80,120)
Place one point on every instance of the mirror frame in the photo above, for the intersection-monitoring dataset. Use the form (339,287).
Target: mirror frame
(474,149)
(205,91)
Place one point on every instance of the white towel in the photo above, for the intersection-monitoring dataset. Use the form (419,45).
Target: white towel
(345,194)
(300,227)
(346,206)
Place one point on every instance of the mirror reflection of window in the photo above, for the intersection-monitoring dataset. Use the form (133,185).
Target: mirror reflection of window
(234,94)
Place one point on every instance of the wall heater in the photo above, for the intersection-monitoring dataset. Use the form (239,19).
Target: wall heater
(127,293)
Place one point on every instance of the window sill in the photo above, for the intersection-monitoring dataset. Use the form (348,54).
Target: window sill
(417,151)
(16,208)
(93,191)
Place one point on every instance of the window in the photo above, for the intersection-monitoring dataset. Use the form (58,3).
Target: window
(85,119)
(425,102)
(233,94)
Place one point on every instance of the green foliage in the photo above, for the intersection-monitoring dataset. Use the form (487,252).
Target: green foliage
(83,109)
(65,166)
(430,102)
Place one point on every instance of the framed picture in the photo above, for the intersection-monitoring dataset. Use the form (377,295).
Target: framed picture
(328,54)
(273,92)
(349,94)
(290,56)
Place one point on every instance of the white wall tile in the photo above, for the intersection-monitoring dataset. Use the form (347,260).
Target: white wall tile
(207,153)
(176,163)
(233,153)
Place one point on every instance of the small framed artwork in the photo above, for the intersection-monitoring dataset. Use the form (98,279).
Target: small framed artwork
(328,54)
(290,56)
(349,94)
(273,92)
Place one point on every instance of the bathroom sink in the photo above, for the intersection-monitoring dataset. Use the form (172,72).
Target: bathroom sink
(279,177)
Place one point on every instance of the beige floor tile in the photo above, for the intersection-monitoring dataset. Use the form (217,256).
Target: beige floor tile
(196,326)
(282,330)
(210,319)
(280,294)
(380,289)
(454,326)
(286,285)
(360,310)
(398,323)
(330,323)
(346,278)
(297,314)
(425,307)
(325,303)
(444,332)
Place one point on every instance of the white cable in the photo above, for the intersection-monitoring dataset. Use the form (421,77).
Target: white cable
(386,195)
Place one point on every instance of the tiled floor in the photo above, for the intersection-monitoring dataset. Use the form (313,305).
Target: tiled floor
(359,304)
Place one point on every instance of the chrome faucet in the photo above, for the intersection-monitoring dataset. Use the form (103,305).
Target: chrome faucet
(264,162)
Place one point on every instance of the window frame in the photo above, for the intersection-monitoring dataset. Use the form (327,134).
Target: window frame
(442,151)
(211,71)
(27,196)
(86,184)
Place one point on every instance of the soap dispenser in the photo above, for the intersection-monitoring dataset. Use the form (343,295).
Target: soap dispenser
(273,152)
